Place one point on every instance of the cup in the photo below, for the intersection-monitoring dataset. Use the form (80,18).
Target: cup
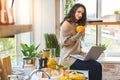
(46,53)
(52,53)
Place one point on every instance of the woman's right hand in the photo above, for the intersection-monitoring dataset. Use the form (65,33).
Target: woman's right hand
(80,29)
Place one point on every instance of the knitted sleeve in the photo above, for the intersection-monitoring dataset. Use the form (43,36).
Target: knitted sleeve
(68,38)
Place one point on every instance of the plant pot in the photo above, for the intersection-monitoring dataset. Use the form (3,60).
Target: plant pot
(29,61)
(118,17)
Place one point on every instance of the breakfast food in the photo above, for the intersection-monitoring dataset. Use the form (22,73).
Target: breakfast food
(62,67)
(72,75)
(57,74)
(51,72)
(52,63)
(77,77)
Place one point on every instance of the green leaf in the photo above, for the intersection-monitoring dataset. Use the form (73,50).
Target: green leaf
(29,51)
(102,45)
(52,42)
(117,12)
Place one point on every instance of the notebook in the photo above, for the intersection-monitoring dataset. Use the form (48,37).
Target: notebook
(93,54)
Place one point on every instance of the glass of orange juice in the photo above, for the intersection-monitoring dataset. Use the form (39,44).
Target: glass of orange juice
(52,60)
(46,53)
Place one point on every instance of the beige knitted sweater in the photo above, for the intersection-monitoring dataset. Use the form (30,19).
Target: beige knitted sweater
(70,43)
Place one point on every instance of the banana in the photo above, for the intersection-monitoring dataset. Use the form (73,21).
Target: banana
(77,77)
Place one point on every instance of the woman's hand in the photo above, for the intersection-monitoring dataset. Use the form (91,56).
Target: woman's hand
(82,33)
(80,28)
(82,52)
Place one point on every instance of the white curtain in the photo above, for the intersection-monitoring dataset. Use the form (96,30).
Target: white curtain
(23,16)
(43,19)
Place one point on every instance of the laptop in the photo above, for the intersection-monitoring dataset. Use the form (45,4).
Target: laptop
(93,54)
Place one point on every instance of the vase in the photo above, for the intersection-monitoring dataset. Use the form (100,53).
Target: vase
(117,17)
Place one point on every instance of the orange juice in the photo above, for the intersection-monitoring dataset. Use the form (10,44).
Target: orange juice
(46,53)
(52,63)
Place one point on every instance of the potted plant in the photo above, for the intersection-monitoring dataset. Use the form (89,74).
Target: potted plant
(117,14)
(52,42)
(102,45)
(29,53)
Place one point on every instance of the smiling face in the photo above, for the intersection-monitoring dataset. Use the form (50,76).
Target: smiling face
(79,13)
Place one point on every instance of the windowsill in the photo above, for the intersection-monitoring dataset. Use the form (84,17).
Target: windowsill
(109,60)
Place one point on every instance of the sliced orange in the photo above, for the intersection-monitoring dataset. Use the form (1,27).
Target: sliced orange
(52,63)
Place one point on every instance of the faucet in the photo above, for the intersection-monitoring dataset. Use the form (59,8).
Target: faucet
(35,71)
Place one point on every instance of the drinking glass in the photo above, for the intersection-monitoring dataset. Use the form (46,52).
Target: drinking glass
(52,53)
(46,53)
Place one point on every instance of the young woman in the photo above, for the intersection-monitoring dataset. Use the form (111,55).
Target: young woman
(70,41)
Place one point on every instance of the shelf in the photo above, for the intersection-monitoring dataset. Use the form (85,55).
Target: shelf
(104,23)
(11,30)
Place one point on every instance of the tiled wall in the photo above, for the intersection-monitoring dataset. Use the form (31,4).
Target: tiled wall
(111,71)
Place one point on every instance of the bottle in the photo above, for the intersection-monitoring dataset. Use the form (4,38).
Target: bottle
(43,62)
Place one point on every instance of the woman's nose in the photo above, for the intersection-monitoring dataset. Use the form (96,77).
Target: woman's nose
(80,15)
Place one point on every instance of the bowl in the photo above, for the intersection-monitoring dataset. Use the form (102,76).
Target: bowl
(53,73)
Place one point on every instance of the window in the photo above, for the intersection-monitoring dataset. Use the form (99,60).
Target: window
(111,33)
(90,36)
(7,46)
(106,34)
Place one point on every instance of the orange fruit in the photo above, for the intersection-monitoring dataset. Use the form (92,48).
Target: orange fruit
(64,78)
(80,29)
(52,63)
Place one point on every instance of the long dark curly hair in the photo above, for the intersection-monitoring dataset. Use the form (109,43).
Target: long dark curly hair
(70,17)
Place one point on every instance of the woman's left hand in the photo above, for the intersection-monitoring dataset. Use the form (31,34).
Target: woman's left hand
(83,53)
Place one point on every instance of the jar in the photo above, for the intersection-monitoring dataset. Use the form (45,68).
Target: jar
(46,53)
(43,62)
